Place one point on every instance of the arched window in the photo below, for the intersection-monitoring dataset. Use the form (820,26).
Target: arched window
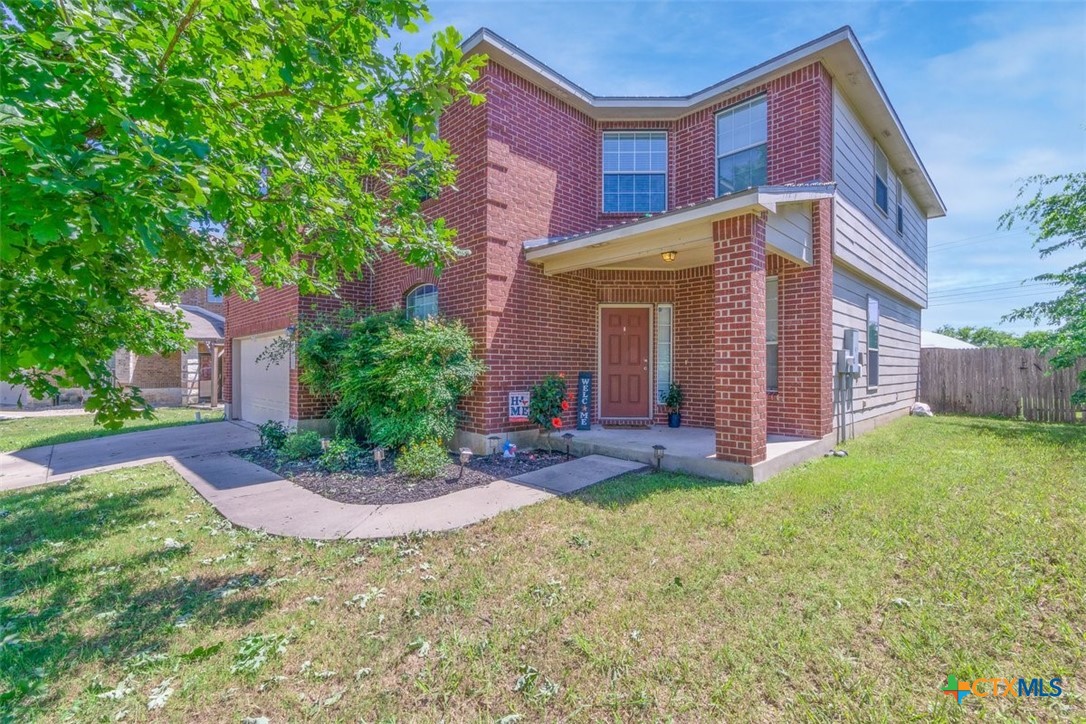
(421,302)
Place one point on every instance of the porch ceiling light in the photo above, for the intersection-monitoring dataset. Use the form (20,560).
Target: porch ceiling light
(669,256)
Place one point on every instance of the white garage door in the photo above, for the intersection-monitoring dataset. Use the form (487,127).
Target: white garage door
(264,386)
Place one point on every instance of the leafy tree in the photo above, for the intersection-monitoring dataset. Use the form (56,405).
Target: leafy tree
(151,147)
(980,336)
(991,337)
(1056,213)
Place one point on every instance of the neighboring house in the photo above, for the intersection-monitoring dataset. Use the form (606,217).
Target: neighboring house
(942,341)
(723,240)
(187,377)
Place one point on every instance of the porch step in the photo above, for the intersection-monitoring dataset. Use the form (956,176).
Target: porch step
(565,478)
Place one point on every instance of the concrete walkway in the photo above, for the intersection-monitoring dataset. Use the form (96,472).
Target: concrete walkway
(252,497)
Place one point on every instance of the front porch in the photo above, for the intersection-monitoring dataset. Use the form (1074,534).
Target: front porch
(692,450)
(731,299)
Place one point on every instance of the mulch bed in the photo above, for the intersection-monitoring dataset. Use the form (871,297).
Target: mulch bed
(363,484)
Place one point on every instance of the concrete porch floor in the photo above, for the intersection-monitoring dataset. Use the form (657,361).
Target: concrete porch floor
(692,450)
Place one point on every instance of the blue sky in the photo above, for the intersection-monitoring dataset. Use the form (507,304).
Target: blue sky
(988,92)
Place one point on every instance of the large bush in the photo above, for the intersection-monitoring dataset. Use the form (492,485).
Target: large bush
(391,380)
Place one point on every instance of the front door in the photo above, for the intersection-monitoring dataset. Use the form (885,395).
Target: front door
(624,362)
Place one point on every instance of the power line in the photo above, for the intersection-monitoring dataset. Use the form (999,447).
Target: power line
(977,300)
(983,290)
(978,237)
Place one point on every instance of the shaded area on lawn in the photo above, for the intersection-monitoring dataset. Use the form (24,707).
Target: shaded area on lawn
(77,583)
(27,432)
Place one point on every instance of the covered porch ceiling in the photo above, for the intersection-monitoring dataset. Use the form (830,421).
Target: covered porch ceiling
(688,232)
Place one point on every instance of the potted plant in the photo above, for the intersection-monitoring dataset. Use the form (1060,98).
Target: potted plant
(673,400)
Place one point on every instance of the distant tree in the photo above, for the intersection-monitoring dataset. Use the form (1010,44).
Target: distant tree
(1056,213)
(151,147)
(981,336)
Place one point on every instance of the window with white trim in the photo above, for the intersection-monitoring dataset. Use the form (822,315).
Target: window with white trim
(899,222)
(882,181)
(634,172)
(872,342)
(772,333)
(741,133)
(421,302)
(212,297)
(664,345)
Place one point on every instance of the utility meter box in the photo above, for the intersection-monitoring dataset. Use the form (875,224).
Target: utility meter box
(848,357)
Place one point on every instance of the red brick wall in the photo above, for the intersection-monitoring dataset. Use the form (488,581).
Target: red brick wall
(156,370)
(529,168)
(803,404)
(273,310)
(739,325)
(462,286)
(198,298)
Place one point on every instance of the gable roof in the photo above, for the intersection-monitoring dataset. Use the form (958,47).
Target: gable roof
(839,51)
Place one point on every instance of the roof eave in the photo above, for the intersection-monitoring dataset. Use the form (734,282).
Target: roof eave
(826,49)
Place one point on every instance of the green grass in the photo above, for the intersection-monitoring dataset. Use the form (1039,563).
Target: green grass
(845,589)
(26,432)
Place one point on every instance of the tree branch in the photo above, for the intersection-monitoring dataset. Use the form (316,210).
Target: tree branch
(190,12)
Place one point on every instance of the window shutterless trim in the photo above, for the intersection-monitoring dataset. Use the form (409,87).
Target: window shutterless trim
(667,163)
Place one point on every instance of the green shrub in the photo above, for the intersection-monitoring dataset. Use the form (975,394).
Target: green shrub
(342,453)
(272,434)
(301,446)
(423,459)
(391,380)
(548,402)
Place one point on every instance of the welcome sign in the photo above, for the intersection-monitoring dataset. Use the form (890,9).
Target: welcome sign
(518,406)
(584,401)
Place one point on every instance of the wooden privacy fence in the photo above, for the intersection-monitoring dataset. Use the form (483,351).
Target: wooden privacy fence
(1003,381)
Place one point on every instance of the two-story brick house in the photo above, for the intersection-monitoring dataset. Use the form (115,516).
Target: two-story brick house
(723,240)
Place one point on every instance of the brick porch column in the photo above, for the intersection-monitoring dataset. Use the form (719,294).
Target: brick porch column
(739,338)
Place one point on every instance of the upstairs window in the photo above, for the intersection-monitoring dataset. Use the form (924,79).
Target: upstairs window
(212,297)
(634,172)
(741,146)
(421,302)
(882,181)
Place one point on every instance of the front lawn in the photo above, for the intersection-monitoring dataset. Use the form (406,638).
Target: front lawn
(846,589)
(26,432)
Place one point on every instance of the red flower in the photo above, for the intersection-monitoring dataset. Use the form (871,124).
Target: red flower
(556,423)
(565,405)
(561,375)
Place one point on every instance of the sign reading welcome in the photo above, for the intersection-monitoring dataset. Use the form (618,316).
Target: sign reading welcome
(518,406)
(584,401)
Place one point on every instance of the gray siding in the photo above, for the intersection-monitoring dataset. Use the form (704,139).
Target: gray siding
(864,237)
(899,343)
(789,231)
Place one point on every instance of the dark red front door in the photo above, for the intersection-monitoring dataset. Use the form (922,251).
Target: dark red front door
(624,362)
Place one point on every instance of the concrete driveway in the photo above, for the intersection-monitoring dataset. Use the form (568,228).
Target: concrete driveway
(57,463)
